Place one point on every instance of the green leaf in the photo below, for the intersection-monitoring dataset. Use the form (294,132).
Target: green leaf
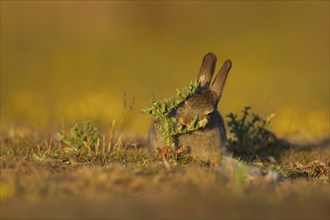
(160,110)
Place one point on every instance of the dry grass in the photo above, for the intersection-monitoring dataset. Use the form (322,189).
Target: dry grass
(38,182)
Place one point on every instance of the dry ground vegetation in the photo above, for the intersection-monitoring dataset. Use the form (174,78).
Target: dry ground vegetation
(83,172)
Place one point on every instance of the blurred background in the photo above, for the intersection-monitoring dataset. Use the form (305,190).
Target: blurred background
(70,60)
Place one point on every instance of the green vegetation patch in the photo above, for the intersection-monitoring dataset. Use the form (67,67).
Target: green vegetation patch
(249,137)
(168,124)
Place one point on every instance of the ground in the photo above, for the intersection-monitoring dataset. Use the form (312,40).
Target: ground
(43,178)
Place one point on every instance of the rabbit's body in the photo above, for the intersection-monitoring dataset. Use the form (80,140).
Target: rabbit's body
(208,142)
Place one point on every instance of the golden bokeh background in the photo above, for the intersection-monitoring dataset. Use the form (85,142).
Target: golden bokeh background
(71,60)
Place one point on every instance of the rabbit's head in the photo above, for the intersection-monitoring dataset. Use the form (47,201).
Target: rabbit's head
(205,101)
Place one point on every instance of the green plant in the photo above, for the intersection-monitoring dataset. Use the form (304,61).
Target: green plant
(83,136)
(84,145)
(165,122)
(248,132)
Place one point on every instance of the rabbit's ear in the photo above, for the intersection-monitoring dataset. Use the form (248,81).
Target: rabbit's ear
(220,79)
(207,69)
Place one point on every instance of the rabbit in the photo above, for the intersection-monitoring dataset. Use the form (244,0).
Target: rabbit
(206,143)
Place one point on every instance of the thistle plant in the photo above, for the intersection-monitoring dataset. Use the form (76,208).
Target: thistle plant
(166,123)
(248,132)
(82,135)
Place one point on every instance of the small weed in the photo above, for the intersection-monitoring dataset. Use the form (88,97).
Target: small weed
(83,143)
(248,134)
(83,136)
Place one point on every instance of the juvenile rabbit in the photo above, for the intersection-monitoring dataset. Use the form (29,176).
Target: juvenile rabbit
(207,143)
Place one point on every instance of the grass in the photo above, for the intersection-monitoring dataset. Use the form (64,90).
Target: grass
(98,173)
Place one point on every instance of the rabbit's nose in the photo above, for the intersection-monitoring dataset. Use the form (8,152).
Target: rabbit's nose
(183,121)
